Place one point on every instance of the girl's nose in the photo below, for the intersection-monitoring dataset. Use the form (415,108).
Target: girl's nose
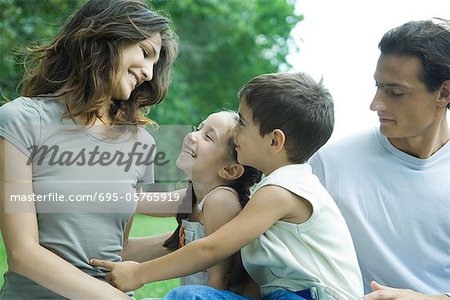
(192,136)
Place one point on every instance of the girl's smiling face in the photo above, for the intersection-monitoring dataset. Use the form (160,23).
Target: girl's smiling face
(206,149)
(137,61)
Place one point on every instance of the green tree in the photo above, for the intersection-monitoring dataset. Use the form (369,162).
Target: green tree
(223,44)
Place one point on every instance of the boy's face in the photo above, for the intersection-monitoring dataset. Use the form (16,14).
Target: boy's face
(251,147)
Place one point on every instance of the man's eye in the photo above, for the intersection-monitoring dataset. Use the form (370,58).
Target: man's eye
(397,93)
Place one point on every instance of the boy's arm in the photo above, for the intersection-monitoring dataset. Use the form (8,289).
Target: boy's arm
(267,206)
(220,207)
(21,237)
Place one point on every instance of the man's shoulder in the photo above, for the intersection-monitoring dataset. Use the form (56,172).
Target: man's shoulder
(353,142)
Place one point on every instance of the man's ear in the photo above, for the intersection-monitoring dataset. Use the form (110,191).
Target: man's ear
(444,94)
(278,140)
(231,171)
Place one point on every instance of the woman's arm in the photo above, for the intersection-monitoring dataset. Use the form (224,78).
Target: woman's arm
(20,234)
(268,205)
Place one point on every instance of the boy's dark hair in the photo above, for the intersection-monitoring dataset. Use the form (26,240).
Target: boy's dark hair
(429,41)
(294,103)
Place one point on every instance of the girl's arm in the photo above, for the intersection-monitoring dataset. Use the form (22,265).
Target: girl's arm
(141,249)
(267,206)
(161,204)
(220,207)
(20,234)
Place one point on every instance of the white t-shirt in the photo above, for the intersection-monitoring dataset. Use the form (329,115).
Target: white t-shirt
(397,208)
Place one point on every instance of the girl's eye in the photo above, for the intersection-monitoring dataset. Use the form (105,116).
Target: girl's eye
(194,128)
(240,123)
(209,137)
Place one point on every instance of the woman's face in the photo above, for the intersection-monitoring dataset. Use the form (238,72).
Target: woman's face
(137,61)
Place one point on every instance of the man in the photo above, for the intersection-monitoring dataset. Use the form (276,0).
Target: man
(392,184)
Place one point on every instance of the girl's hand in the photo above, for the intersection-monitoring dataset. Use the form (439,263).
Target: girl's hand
(122,275)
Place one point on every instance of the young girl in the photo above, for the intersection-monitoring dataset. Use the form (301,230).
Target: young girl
(106,67)
(219,187)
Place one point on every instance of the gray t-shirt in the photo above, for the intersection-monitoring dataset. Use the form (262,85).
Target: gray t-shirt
(84,186)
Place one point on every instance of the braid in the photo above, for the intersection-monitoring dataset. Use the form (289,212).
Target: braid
(172,242)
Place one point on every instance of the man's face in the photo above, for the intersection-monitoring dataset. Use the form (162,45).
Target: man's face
(406,109)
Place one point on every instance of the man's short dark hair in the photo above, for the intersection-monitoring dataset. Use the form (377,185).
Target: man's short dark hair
(429,41)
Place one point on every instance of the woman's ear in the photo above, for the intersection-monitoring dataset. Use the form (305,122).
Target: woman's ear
(231,171)
(278,140)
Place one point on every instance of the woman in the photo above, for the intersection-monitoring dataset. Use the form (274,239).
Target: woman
(64,155)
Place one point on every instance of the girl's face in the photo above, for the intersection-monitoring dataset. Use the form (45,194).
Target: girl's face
(137,61)
(205,150)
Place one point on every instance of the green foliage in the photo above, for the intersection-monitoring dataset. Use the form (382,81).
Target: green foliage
(25,23)
(223,44)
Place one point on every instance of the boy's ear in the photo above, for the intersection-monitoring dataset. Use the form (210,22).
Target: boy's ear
(444,93)
(231,171)
(278,140)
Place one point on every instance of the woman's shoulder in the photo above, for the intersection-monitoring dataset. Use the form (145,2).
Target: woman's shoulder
(29,110)
(19,110)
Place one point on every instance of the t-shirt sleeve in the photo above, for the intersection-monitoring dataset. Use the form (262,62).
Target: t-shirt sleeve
(317,167)
(148,176)
(20,124)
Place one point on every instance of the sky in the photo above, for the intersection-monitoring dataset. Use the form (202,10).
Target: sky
(338,42)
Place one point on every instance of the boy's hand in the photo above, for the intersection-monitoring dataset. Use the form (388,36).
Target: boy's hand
(381,292)
(122,275)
